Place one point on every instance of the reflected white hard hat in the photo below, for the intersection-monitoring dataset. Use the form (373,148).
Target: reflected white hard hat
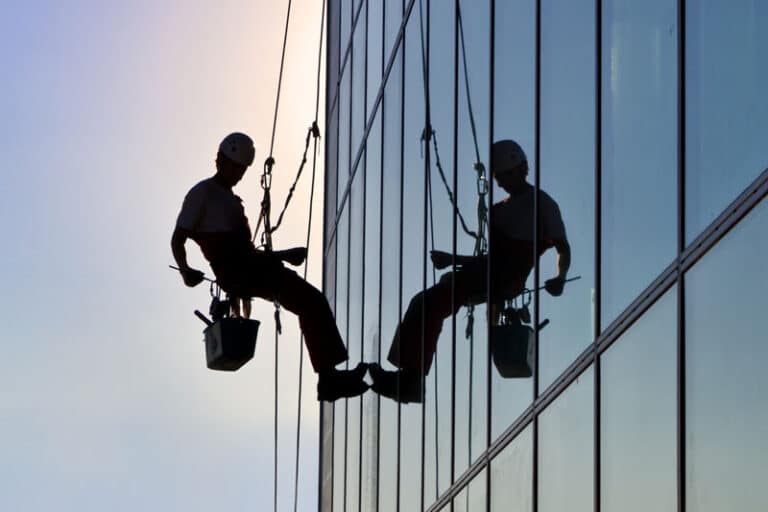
(506,155)
(238,147)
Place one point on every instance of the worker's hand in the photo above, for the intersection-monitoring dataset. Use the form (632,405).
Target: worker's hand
(440,259)
(192,277)
(555,286)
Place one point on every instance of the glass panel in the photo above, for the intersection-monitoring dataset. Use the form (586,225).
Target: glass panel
(566,449)
(375,35)
(333,43)
(341,413)
(472,498)
(370,334)
(359,111)
(390,287)
(346,8)
(639,189)
(727,108)
(472,145)
(344,134)
(726,382)
(568,177)
(440,222)
(393,18)
(514,117)
(413,256)
(512,476)
(354,333)
(638,417)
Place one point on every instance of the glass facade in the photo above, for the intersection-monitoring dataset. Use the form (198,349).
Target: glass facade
(640,386)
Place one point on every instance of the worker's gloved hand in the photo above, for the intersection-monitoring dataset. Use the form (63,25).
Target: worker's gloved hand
(295,256)
(555,286)
(440,259)
(192,277)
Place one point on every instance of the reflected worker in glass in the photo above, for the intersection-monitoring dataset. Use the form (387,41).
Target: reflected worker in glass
(512,246)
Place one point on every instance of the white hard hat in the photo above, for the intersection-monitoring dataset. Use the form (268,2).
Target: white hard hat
(506,155)
(238,147)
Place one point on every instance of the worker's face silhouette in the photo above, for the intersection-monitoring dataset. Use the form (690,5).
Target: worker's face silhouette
(512,179)
(230,172)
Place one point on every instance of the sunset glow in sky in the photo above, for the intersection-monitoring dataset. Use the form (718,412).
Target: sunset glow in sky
(110,113)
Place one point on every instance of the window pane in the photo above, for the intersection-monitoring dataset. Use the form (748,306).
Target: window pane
(639,173)
(512,476)
(375,40)
(390,267)
(566,449)
(472,351)
(413,255)
(568,176)
(370,334)
(726,381)
(439,380)
(354,332)
(639,414)
(727,108)
(359,113)
(472,498)
(514,115)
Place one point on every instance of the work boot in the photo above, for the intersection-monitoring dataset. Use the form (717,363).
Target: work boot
(334,384)
(404,386)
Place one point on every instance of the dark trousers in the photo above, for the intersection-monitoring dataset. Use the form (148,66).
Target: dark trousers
(433,306)
(264,276)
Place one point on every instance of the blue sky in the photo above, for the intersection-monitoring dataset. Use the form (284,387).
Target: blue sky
(110,112)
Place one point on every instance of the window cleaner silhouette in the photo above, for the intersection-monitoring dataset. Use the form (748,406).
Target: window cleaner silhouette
(214,217)
(512,249)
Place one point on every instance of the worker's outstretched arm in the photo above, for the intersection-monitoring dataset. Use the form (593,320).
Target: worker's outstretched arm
(191,276)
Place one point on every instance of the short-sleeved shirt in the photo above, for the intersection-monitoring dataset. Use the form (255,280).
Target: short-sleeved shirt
(216,219)
(513,229)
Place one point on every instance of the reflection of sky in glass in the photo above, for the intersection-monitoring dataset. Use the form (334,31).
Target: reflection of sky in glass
(471,355)
(639,148)
(726,383)
(566,449)
(390,291)
(441,90)
(512,475)
(473,496)
(412,249)
(727,108)
(514,103)
(639,414)
(567,174)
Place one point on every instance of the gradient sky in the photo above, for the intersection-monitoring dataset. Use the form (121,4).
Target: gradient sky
(110,112)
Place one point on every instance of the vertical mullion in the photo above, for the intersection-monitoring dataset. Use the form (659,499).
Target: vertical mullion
(350,68)
(536,313)
(454,236)
(598,247)
(400,247)
(382,116)
(364,141)
(681,169)
(427,113)
(489,281)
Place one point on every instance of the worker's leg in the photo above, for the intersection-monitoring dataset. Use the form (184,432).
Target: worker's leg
(324,344)
(434,305)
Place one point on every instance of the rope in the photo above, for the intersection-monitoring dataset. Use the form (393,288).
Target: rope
(266,240)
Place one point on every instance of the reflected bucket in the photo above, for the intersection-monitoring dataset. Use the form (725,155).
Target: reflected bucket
(512,350)
(230,343)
